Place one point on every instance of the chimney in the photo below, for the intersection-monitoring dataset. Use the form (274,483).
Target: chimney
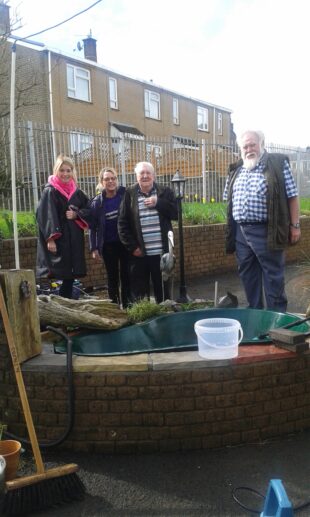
(90,47)
(5,27)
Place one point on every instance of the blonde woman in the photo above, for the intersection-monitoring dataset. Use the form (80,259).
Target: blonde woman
(104,238)
(62,216)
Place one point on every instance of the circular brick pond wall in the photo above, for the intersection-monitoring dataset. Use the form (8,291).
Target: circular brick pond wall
(162,402)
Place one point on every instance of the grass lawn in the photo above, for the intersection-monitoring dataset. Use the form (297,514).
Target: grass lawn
(193,213)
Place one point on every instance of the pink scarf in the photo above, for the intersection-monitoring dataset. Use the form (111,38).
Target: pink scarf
(67,189)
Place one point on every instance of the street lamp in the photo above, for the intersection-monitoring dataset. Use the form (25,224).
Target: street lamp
(178,182)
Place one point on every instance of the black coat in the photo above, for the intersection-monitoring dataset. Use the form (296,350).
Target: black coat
(129,226)
(69,261)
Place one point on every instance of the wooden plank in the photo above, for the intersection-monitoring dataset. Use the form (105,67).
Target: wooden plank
(298,348)
(22,311)
(288,336)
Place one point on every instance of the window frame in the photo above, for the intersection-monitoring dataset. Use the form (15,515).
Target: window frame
(203,112)
(175,111)
(148,102)
(220,123)
(113,100)
(80,142)
(72,90)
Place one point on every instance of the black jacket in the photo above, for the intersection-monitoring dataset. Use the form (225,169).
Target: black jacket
(129,226)
(69,261)
(97,227)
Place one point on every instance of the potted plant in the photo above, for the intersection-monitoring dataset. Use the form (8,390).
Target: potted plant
(10,450)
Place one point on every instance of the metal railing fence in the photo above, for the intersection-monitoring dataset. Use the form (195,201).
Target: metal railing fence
(203,164)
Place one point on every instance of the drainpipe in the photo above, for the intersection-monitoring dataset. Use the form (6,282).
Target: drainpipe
(12,153)
(213,127)
(50,94)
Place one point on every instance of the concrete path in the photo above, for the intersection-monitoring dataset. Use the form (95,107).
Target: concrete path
(297,287)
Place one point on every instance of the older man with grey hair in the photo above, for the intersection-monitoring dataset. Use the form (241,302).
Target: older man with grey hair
(143,225)
(262,219)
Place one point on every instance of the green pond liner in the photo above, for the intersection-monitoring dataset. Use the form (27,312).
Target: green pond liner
(174,331)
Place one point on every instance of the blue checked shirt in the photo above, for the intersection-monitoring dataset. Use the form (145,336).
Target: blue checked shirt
(249,196)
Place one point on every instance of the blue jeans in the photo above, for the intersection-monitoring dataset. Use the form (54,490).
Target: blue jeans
(261,270)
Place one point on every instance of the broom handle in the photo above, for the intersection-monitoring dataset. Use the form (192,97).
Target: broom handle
(21,385)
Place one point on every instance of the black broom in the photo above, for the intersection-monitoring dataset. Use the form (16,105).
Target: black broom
(45,488)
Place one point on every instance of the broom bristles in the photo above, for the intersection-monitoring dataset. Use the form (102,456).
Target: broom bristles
(46,490)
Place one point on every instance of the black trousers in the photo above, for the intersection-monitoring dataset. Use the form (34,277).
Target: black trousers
(142,270)
(66,288)
(116,261)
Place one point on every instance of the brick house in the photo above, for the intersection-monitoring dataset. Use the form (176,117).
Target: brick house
(79,92)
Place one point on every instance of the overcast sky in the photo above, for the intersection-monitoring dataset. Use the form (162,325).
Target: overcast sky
(251,56)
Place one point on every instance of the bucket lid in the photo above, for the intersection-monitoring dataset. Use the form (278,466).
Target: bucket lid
(213,324)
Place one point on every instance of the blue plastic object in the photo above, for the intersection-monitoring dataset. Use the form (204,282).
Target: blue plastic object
(277,503)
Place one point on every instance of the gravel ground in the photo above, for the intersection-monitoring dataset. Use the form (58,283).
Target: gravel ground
(191,483)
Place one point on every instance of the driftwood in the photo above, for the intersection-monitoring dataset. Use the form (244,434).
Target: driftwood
(86,313)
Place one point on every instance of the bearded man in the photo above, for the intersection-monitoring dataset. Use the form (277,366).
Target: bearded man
(262,219)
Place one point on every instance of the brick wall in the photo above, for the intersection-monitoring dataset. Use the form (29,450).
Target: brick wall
(153,411)
(204,252)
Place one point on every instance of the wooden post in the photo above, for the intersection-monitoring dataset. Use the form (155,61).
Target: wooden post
(19,289)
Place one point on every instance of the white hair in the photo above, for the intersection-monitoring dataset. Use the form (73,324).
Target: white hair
(141,165)
(259,134)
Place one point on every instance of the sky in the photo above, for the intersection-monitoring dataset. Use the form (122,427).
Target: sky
(251,56)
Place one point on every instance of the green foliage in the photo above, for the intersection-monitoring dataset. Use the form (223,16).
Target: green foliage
(3,427)
(305,206)
(26,224)
(204,213)
(193,214)
(144,310)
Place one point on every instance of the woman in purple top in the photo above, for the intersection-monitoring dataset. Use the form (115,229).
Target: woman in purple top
(104,239)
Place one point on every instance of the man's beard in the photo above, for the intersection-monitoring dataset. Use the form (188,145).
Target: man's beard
(250,163)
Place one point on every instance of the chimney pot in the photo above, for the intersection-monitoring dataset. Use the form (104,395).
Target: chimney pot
(90,48)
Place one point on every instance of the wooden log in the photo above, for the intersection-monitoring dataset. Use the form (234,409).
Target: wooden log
(87,313)
(19,289)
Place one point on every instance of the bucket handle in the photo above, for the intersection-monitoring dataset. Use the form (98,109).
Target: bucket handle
(231,346)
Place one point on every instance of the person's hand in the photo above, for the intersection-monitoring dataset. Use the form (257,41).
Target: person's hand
(71,214)
(294,235)
(95,255)
(51,246)
(137,252)
(150,201)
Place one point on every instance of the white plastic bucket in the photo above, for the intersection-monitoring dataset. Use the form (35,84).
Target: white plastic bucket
(218,338)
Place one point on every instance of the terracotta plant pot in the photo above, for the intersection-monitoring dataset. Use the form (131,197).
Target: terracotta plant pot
(10,450)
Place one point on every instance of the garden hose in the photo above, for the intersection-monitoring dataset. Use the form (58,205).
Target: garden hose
(71,397)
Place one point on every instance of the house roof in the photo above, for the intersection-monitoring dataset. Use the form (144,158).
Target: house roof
(110,70)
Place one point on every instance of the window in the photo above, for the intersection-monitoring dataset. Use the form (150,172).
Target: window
(78,83)
(175,111)
(80,142)
(152,104)
(113,93)
(202,118)
(219,124)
